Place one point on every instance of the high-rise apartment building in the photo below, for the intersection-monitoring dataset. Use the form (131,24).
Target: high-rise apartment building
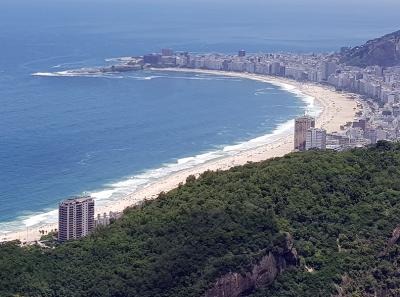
(316,138)
(167,52)
(242,53)
(302,124)
(327,68)
(75,218)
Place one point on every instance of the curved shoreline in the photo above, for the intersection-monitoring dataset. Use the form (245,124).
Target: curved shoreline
(324,95)
(337,109)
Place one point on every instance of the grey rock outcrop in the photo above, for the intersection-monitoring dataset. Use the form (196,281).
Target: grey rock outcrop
(264,273)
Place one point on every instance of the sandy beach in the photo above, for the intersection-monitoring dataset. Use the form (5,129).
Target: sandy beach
(337,109)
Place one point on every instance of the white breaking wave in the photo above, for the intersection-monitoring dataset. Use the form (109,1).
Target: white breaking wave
(210,77)
(68,73)
(40,218)
(145,77)
(117,190)
(205,77)
(94,74)
(125,59)
(45,74)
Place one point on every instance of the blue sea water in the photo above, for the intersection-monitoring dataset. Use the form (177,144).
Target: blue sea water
(107,135)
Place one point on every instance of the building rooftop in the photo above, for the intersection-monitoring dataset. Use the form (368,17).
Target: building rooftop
(79,199)
(305,117)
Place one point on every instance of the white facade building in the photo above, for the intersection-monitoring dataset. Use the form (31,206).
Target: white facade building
(316,138)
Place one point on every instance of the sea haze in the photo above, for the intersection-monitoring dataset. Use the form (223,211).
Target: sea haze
(62,136)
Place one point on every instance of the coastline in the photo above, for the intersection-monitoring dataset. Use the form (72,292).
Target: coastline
(336,110)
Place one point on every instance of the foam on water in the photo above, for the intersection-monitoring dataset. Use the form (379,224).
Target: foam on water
(145,77)
(40,218)
(84,73)
(205,77)
(119,189)
(45,74)
(68,73)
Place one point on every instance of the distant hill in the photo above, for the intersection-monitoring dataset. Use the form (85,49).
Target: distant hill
(312,224)
(383,51)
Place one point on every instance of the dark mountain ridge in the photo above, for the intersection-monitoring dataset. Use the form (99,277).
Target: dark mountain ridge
(383,51)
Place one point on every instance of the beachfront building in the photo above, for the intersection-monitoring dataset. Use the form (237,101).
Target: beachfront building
(106,219)
(301,126)
(316,139)
(75,218)
(167,52)
(327,68)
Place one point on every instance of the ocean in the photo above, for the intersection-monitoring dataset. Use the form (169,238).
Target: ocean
(106,135)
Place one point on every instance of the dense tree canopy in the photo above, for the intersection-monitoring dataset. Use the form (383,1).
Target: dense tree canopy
(341,209)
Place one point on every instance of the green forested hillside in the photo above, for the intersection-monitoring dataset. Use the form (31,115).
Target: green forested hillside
(340,208)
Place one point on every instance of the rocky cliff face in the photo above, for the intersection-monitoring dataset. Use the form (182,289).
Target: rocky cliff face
(264,273)
(383,51)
